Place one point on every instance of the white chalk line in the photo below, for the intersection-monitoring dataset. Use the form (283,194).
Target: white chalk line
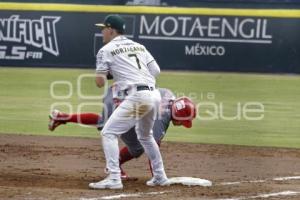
(287,178)
(262,181)
(284,193)
(119,196)
(264,196)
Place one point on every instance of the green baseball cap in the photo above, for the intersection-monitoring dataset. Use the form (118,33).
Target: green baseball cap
(113,21)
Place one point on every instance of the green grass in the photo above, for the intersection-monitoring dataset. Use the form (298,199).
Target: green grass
(25,102)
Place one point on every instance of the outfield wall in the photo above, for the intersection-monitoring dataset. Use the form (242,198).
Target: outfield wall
(209,39)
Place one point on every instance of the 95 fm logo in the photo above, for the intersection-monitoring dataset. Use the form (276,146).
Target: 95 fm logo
(18,53)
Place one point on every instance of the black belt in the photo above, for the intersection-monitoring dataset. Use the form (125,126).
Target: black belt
(143,87)
(139,88)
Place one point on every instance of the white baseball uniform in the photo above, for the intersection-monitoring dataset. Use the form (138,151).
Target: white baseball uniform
(134,70)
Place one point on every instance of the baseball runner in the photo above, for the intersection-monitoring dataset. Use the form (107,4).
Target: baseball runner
(133,69)
(168,111)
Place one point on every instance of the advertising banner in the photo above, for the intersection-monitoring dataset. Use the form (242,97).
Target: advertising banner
(192,40)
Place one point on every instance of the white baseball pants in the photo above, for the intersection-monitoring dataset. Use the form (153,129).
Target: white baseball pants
(138,109)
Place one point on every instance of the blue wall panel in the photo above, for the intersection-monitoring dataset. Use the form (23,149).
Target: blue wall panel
(189,42)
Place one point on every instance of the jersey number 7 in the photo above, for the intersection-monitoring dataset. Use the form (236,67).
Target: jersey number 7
(136,59)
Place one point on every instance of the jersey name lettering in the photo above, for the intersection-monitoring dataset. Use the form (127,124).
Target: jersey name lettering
(127,49)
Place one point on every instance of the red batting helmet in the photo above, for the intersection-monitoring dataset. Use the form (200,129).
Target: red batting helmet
(183,112)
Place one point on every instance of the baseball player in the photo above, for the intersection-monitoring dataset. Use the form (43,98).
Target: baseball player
(133,149)
(133,69)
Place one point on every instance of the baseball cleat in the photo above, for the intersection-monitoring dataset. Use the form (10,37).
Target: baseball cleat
(107,183)
(158,182)
(54,120)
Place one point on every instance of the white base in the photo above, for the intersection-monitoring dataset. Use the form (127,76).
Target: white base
(190,181)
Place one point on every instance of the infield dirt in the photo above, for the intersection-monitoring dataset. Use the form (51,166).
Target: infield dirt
(45,167)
